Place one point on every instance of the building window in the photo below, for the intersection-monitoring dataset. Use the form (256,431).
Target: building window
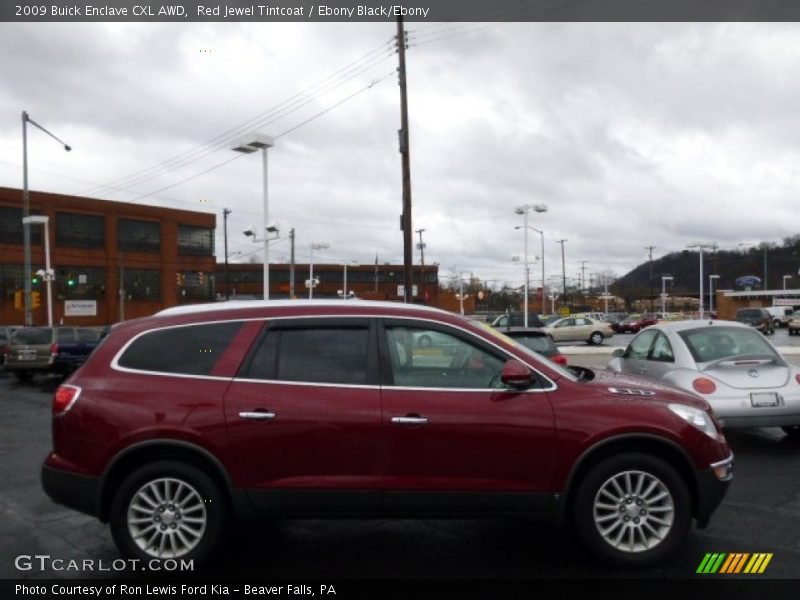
(195,285)
(80,231)
(198,241)
(142,284)
(11,227)
(138,236)
(80,283)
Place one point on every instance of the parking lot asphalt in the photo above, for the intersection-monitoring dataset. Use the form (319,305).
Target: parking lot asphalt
(761,513)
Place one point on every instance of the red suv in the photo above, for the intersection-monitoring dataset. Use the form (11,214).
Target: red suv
(181,422)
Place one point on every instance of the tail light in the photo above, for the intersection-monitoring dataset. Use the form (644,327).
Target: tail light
(560,359)
(53,349)
(704,385)
(797,378)
(65,398)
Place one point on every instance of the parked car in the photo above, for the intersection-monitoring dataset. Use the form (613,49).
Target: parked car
(780,315)
(517,319)
(180,422)
(538,341)
(743,377)
(758,318)
(59,350)
(614,319)
(635,323)
(579,329)
(793,326)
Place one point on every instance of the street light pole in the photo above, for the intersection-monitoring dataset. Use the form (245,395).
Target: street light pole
(26,210)
(524,210)
(700,246)
(48,272)
(711,279)
(664,279)
(248,145)
(563,270)
(314,246)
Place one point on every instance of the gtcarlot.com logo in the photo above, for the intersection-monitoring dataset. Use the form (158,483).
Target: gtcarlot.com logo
(734,563)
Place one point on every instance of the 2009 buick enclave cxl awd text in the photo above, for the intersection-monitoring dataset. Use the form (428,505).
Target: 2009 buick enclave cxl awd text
(181,422)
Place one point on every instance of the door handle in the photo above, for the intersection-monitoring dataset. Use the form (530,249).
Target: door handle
(262,415)
(410,420)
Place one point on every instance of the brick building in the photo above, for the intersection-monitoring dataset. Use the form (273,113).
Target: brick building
(120,260)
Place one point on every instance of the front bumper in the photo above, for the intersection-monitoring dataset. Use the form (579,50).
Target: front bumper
(712,486)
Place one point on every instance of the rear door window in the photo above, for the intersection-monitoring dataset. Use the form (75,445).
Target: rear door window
(65,336)
(319,352)
(191,350)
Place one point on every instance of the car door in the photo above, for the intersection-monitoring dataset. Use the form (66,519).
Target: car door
(454,437)
(635,359)
(562,330)
(304,417)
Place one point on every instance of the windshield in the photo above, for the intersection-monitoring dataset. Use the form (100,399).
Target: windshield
(714,343)
(535,355)
(43,335)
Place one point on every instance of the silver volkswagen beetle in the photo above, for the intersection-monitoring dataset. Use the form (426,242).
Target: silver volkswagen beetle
(744,378)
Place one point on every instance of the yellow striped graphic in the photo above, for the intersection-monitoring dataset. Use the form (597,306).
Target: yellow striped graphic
(758,563)
(734,563)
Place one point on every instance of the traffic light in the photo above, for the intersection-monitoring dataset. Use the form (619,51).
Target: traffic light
(201,278)
(71,281)
(178,278)
(19,300)
(36,299)
(35,279)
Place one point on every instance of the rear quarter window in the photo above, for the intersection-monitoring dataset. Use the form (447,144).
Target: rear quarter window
(189,350)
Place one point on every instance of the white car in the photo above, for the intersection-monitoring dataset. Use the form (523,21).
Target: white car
(731,365)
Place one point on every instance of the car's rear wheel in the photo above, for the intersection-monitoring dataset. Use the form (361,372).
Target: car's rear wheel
(596,338)
(632,509)
(168,510)
(23,375)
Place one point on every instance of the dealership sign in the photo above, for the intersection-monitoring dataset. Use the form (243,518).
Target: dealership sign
(80,308)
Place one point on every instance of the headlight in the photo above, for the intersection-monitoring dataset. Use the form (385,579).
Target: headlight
(698,418)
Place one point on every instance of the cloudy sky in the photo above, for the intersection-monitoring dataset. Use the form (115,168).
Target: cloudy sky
(632,134)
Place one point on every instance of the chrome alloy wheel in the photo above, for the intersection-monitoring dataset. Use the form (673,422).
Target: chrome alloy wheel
(166,518)
(633,511)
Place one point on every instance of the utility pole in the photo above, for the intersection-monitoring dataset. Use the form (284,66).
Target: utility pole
(583,275)
(563,271)
(406,163)
(650,280)
(225,213)
(422,263)
(291,264)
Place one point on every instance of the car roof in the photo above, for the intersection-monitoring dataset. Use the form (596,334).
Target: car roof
(697,324)
(254,304)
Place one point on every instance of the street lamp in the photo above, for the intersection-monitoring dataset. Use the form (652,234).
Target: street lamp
(664,280)
(785,277)
(248,145)
(47,275)
(344,281)
(311,282)
(711,279)
(700,246)
(26,211)
(524,210)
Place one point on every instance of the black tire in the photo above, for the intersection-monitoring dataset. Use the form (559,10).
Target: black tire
(777,324)
(793,432)
(23,376)
(654,469)
(596,338)
(207,500)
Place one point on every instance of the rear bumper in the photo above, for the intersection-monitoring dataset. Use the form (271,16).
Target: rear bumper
(711,489)
(79,492)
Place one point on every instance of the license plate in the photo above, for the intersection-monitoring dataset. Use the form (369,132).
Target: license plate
(26,355)
(764,399)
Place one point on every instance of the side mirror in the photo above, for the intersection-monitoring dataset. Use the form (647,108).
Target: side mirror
(618,352)
(516,375)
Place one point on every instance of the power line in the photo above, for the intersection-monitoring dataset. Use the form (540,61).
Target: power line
(291,104)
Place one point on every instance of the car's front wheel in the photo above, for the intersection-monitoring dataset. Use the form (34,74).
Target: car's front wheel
(632,509)
(168,510)
(596,338)
(793,431)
